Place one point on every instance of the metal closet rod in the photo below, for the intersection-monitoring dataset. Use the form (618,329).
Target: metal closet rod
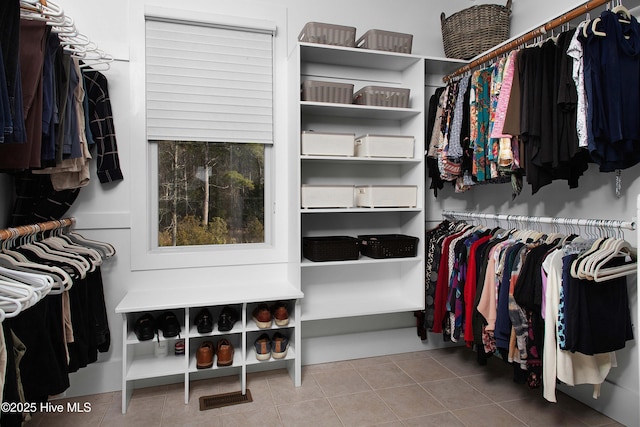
(600,223)
(572,14)
(28,230)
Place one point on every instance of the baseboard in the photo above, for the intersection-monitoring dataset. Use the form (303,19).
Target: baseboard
(615,402)
(366,344)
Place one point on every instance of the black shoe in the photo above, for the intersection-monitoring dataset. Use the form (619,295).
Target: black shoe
(169,324)
(204,321)
(145,327)
(228,317)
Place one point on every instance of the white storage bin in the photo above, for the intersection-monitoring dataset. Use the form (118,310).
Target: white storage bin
(384,146)
(327,196)
(387,196)
(327,144)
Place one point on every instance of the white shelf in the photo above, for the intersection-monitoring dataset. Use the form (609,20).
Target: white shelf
(321,306)
(355,57)
(305,263)
(206,295)
(365,160)
(149,366)
(251,356)
(237,362)
(357,111)
(356,210)
(193,331)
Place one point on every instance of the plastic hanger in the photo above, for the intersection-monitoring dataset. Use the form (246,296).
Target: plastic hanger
(621,248)
(106,249)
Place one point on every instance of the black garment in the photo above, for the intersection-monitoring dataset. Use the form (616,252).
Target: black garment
(98,312)
(597,314)
(10,44)
(43,368)
(37,201)
(102,127)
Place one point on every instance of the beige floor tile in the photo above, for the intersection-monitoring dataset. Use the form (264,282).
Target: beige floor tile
(336,383)
(488,416)
(384,375)
(309,413)
(424,369)
(455,393)
(410,355)
(443,419)
(463,362)
(362,409)
(500,388)
(284,391)
(540,413)
(176,412)
(260,395)
(266,418)
(143,393)
(410,401)
(142,412)
(370,361)
(327,367)
(90,417)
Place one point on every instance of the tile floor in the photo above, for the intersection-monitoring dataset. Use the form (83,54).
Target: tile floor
(431,388)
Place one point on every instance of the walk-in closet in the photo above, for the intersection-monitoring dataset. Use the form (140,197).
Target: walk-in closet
(285,212)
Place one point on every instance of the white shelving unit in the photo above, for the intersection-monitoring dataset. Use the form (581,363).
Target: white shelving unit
(367,286)
(139,361)
(341,289)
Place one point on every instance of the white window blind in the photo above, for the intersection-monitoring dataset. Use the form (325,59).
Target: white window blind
(207,83)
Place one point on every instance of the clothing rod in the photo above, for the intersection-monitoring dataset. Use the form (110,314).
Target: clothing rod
(572,14)
(27,230)
(600,223)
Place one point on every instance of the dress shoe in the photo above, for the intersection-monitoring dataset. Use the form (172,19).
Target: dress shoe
(280,313)
(262,316)
(225,352)
(204,321)
(145,327)
(204,355)
(169,324)
(228,318)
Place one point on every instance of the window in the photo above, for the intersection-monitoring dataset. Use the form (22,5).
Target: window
(210,193)
(209,107)
(209,91)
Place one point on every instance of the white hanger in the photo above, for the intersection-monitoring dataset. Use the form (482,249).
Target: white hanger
(600,273)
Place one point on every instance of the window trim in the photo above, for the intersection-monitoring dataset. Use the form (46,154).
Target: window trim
(143,255)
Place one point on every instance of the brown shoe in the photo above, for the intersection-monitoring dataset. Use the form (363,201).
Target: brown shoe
(280,314)
(225,353)
(262,316)
(204,355)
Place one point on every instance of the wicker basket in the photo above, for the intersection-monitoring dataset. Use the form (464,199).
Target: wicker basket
(382,96)
(388,246)
(471,31)
(330,248)
(321,91)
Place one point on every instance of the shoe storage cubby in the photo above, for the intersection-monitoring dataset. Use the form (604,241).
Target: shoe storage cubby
(155,358)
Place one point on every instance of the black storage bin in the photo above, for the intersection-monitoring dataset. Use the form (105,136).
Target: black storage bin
(388,246)
(330,248)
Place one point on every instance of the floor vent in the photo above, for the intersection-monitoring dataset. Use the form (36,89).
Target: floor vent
(224,399)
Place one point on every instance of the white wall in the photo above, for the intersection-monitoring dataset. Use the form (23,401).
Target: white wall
(104,211)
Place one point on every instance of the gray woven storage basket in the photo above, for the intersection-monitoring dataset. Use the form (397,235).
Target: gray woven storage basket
(471,31)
